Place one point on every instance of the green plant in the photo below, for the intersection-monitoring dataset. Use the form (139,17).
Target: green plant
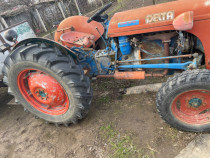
(121,146)
(103,99)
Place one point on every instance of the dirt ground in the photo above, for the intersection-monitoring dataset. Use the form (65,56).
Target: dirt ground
(115,123)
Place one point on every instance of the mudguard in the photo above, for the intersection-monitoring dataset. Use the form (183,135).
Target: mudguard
(63,49)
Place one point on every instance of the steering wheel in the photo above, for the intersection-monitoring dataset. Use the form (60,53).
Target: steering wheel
(98,13)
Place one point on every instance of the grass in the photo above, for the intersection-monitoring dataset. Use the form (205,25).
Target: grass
(173,133)
(121,146)
(103,100)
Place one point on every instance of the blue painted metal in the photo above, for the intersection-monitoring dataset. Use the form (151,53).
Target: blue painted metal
(106,69)
(115,49)
(195,102)
(114,46)
(128,23)
(86,60)
(106,29)
(181,66)
(125,46)
(42,94)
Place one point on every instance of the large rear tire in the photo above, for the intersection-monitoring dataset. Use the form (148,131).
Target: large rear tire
(183,101)
(47,83)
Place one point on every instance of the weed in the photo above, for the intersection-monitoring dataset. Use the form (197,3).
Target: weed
(120,2)
(173,134)
(103,100)
(121,146)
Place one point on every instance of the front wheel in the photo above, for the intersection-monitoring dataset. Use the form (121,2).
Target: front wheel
(184,103)
(47,83)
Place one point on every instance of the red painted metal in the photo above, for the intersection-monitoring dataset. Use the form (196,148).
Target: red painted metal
(184,112)
(200,9)
(134,75)
(79,24)
(78,39)
(184,21)
(43,92)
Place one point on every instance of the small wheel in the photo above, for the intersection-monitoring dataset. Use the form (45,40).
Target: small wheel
(47,83)
(183,101)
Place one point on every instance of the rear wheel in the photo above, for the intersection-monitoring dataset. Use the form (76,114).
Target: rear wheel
(183,101)
(48,83)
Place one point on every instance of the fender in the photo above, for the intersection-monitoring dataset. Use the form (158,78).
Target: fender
(63,49)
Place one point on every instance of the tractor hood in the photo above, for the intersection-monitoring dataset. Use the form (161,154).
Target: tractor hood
(157,17)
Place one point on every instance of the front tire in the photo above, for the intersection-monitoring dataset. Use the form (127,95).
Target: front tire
(183,101)
(48,84)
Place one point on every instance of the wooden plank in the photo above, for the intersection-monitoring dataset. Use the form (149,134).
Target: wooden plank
(40,19)
(77,7)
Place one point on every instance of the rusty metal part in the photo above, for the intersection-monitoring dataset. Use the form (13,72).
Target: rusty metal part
(86,71)
(134,75)
(105,76)
(166,52)
(170,57)
(71,28)
(165,37)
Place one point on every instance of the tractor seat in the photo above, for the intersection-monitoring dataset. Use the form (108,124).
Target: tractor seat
(78,39)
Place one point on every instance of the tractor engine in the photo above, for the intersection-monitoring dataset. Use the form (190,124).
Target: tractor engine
(142,49)
(139,49)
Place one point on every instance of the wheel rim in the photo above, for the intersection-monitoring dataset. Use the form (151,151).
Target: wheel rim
(192,107)
(43,92)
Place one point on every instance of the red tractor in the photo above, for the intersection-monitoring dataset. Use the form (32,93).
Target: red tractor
(51,79)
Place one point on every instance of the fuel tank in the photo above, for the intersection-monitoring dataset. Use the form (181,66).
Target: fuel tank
(157,17)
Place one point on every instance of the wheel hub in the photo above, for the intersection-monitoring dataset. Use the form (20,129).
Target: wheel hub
(195,102)
(41,94)
(46,89)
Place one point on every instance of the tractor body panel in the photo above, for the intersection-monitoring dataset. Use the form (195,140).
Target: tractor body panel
(160,18)
(156,18)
